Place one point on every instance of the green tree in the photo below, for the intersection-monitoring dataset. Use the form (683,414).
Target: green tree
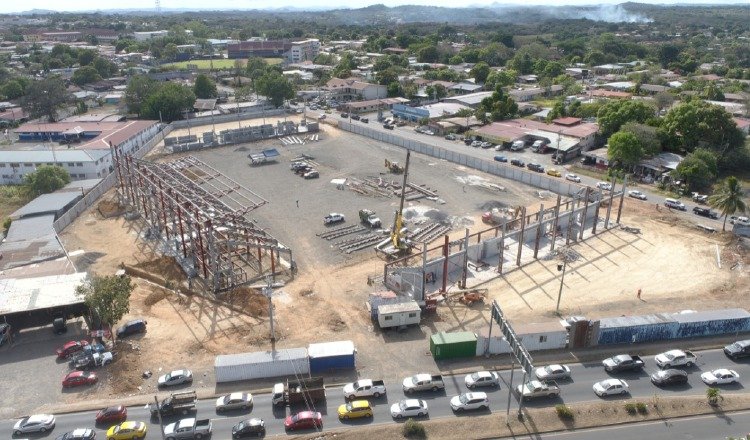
(140,87)
(45,97)
(46,179)
(647,135)
(480,72)
(497,107)
(428,54)
(440,91)
(86,57)
(663,100)
(625,148)
(614,114)
(168,102)
(12,90)
(105,67)
(386,76)
(501,78)
(698,169)
(728,199)
(696,123)
(85,75)
(108,298)
(204,87)
(522,63)
(274,86)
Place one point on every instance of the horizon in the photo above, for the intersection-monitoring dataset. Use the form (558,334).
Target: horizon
(233,5)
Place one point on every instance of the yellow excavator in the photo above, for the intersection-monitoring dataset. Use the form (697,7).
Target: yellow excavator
(394,167)
(397,245)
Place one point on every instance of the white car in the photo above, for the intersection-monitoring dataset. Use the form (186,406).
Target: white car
(333,218)
(232,401)
(35,423)
(636,194)
(176,377)
(744,221)
(722,376)
(675,358)
(482,379)
(469,401)
(409,408)
(606,186)
(609,387)
(573,178)
(553,372)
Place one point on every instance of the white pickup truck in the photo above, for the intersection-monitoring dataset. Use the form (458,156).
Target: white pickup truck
(423,382)
(364,388)
(675,358)
(190,428)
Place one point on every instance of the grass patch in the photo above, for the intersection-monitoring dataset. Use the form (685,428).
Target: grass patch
(642,408)
(13,197)
(414,429)
(220,64)
(630,408)
(564,412)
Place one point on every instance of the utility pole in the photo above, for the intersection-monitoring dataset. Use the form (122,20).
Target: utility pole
(161,421)
(268,292)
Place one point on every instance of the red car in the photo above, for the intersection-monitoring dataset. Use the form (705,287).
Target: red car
(70,348)
(114,414)
(304,420)
(78,378)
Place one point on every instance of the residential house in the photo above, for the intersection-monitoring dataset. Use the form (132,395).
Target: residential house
(525,95)
(351,89)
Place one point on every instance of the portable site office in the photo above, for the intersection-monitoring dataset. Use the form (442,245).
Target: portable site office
(400,314)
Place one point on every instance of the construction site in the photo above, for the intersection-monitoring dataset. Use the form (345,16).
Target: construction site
(212,228)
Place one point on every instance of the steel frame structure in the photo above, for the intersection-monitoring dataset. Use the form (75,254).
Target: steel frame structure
(191,205)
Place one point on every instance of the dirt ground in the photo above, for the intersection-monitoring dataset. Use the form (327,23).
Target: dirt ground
(672,261)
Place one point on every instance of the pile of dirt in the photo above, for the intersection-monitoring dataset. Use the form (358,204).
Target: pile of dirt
(249,300)
(164,266)
(125,372)
(156,295)
(492,204)
(110,208)
(337,324)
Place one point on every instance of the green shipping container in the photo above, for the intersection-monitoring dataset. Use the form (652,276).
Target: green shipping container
(453,345)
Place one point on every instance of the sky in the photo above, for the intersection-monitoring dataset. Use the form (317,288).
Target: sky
(9,6)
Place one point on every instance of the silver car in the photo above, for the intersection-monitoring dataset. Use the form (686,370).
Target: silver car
(552,372)
(482,379)
(409,408)
(34,423)
(234,401)
(176,377)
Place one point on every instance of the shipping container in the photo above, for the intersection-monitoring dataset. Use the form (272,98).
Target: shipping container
(261,364)
(542,336)
(491,344)
(399,315)
(711,323)
(330,356)
(637,329)
(445,345)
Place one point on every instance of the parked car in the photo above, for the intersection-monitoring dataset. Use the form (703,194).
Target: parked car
(249,428)
(469,401)
(606,186)
(356,409)
(79,378)
(409,408)
(91,360)
(636,194)
(676,204)
(312,174)
(70,348)
(609,387)
(450,137)
(518,146)
(675,358)
(553,372)
(737,350)
(487,145)
(482,379)
(303,420)
(344,115)
(111,414)
(501,159)
(78,434)
(535,167)
(34,423)
(668,377)
(721,376)
(735,220)
(553,172)
(623,362)
(517,162)
(364,120)
(476,144)
(333,218)
(573,178)
(388,126)
(176,377)
(243,401)
(499,147)
(468,141)
(705,212)
(131,328)
(127,431)
(700,198)
(354,117)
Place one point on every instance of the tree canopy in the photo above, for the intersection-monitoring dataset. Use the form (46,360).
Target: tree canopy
(497,107)
(697,124)
(107,297)
(698,169)
(274,86)
(624,147)
(729,198)
(46,179)
(204,87)
(614,114)
(140,87)
(168,101)
(45,97)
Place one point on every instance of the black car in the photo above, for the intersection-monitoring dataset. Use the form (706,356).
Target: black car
(78,434)
(344,115)
(355,117)
(705,212)
(249,428)
(388,126)
(517,162)
(468,141)
(131,328)
(535,167)
(737,350)
(669,377)
(364,120)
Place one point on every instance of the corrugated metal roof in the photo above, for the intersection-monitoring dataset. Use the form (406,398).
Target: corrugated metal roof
(453,338)
(20,295)
(31,228)
(258,357)
(77,185)
(627,321)
(47,156)
(408,306)
(46,204)
(326,349)
(710,315)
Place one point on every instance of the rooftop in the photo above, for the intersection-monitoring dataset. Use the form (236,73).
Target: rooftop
(284,354)
(115,132)
(328,349)
(46,204)
(21,295)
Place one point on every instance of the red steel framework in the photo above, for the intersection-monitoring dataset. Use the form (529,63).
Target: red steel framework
(202,212)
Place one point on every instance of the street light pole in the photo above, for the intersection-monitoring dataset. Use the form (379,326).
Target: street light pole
(562,280)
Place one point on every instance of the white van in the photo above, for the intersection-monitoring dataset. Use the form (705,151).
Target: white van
(676,204)
(518,146)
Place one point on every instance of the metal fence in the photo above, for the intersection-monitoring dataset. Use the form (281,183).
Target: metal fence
(221,119)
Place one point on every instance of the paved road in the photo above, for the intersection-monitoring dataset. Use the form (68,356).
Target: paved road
(707,427)
(576,390)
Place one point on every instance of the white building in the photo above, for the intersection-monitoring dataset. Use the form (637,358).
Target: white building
(145,36)
(305,50)
(80,164)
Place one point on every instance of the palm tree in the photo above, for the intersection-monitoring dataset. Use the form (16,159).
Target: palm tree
(713,395)
(728,199)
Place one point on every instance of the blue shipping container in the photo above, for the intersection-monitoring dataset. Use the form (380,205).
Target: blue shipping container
(711,323)
(636,329)
(329,356)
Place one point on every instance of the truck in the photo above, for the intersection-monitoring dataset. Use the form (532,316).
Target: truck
(623,362)
(676,358)
(369,218)
(423,382)
(93,360)
(190,428)
(537,388)
(364,388)
(298,391)
(181,402)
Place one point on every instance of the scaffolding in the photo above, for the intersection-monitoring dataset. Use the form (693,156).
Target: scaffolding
(201,215)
